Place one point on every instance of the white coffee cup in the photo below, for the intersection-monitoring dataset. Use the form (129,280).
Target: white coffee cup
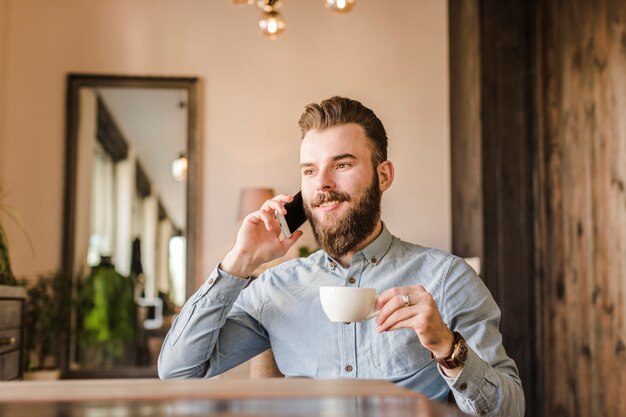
(348,304)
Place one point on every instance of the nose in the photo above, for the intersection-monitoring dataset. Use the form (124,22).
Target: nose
(324,181)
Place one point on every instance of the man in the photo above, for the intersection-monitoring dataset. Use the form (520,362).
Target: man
(437,329)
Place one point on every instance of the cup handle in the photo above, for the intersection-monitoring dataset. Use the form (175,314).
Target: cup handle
(373,314)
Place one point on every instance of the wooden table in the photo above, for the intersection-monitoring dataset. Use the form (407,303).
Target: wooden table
(215,397)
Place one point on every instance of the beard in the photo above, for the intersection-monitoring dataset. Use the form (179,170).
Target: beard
(338,235)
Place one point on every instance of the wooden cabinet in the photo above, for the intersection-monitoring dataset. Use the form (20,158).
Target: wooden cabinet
(12,309)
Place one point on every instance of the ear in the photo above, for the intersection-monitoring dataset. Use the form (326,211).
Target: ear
(385,175)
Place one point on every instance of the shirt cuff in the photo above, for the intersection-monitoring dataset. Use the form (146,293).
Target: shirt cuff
(468,382)
(221,285)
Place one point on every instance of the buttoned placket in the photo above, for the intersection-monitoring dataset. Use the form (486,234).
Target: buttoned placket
(349,365)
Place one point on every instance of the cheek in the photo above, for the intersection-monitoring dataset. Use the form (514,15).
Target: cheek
(307,192)
(352,186)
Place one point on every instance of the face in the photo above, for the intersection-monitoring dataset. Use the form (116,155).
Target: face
(340,187)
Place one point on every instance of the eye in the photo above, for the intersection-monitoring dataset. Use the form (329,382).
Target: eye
(307,172)
(342,165)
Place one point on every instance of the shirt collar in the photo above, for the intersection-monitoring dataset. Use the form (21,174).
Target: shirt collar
(373,252)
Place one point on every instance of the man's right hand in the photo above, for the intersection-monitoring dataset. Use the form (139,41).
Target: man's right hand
(259,239)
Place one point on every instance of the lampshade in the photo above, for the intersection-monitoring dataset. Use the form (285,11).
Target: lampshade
(251,199)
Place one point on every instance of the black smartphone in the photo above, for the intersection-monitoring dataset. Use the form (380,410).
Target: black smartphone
(295,216)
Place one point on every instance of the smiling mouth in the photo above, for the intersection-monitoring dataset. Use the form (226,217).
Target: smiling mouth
(328,203)
(328,200)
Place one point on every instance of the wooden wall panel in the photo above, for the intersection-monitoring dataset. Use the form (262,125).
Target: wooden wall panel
(581,206)
(492,125)
(507,88)
(553,98)
(466,129)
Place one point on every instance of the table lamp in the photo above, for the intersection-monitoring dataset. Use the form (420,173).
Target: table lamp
(251,199)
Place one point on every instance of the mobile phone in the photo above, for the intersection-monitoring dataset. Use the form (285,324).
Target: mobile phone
(294,218)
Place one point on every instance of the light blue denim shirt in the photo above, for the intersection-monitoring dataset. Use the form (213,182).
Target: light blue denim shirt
(227,322)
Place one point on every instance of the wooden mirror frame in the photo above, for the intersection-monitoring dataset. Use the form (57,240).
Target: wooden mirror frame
(74,83)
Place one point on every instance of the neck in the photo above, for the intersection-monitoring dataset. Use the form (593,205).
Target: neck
(347,258)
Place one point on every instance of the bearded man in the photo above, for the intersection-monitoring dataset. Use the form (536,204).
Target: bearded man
(437,328)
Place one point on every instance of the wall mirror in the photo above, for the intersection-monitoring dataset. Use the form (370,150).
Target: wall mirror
(130,219)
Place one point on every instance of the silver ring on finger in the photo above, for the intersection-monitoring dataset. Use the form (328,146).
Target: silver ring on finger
(406,299)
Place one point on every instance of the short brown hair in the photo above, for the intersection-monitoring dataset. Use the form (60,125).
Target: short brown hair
(337,111)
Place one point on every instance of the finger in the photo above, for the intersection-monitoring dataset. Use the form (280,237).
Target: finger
(389,294)
(277,203)
(419,297)
(399,315)
(420,289)
(387,309)
(285,198)
(274,203)
(268,219)
(270,206)
(287,243)
(403,324)
(426,322)
(253,218)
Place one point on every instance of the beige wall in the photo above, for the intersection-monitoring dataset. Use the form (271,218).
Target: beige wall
(4,16)
(391,55)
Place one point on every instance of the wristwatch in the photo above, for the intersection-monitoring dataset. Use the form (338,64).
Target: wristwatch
(457,355)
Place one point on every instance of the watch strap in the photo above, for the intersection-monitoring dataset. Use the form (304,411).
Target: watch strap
(451,361)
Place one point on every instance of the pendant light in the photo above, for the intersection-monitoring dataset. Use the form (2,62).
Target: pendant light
(180,164)
(340,6)
(271,22)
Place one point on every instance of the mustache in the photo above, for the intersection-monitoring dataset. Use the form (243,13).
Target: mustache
(323,197)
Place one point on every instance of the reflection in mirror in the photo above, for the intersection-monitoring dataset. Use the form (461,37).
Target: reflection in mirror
(129,220)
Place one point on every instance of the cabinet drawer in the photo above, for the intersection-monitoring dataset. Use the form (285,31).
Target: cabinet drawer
(10,314)
(10,366)
(10,340)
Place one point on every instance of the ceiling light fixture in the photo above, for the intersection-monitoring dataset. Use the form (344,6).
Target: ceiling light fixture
(340,6)
(272,23)
(179,167)
(181,164)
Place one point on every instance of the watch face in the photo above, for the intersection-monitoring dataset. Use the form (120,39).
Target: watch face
(458,356)
(460,352)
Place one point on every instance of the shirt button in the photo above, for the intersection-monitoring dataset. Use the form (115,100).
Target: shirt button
(463,386)
(211,281)
(374,260)
(349,368)
(351,280)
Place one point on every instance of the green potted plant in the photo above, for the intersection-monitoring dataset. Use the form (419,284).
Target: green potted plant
(106,318)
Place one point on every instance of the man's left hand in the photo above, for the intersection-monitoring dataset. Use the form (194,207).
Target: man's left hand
(414,308)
